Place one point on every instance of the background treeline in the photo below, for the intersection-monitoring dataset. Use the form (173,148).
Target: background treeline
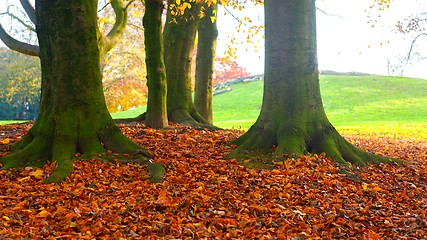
(19,84)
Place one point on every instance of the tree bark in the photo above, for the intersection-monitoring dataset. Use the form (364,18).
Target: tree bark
(292,116)
(156,116)
(73,115)
(206,47)
(179,36)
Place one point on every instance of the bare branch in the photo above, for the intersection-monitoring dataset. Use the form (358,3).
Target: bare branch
(329,14)
(408,57)
(21,21)
(29,9)
(13,44)
(237,19)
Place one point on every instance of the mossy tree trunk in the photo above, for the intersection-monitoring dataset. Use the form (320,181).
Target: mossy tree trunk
(206,47)
(292,116)
(73,115)
(179,38)
(156,115)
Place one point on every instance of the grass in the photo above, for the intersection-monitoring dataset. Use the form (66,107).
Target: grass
(4,122)
(129,113)
(392,106)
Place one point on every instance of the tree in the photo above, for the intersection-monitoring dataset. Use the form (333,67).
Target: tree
(292,116)
(206,47)
(180,31)
(156,71)
(227,69)
(415,27)
(73,115)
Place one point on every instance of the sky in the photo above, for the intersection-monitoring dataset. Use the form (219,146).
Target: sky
(346,42)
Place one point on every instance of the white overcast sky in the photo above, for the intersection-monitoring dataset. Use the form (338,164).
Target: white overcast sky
(346,42)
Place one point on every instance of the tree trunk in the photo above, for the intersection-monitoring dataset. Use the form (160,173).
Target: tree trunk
(73,115)
(156,116)
(179,36)
(292,115)
(206,48)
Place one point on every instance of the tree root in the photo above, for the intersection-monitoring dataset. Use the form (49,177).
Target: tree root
(43,144)
(140,118)
(190,118)
(290,141)
(156,170)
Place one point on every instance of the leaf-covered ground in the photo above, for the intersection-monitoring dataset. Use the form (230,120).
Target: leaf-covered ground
(205,197)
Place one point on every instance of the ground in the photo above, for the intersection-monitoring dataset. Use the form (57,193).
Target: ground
(204,196)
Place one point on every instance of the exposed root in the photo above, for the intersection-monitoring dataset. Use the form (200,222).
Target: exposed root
(40,147)
(62,170)
(140,118)
(28,156)
(157,171)
(192,119)
(290,141)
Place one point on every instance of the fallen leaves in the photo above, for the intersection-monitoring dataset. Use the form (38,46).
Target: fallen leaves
(204,196)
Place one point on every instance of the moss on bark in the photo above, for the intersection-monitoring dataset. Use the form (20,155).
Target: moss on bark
(206,47)
(179,36)
(156,116)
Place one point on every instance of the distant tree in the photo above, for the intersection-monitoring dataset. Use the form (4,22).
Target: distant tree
(227,69)
(180,31)
(123,67)
(156,116)
(292,117)
(20,81)
(415,27)
(206,48)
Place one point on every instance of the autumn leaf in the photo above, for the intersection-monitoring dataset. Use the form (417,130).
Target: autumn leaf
(5,141)
(38,174)
(203,196)
(43,214)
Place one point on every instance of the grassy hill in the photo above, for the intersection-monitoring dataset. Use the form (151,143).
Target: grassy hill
(370,104)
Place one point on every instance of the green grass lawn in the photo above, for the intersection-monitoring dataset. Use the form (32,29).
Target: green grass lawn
(4,122)
(129,113)
(395,106)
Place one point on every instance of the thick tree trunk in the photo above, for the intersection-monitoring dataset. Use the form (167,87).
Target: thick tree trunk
(292,115)
(156,116)
(206,47)
(73,115)
(179,37)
